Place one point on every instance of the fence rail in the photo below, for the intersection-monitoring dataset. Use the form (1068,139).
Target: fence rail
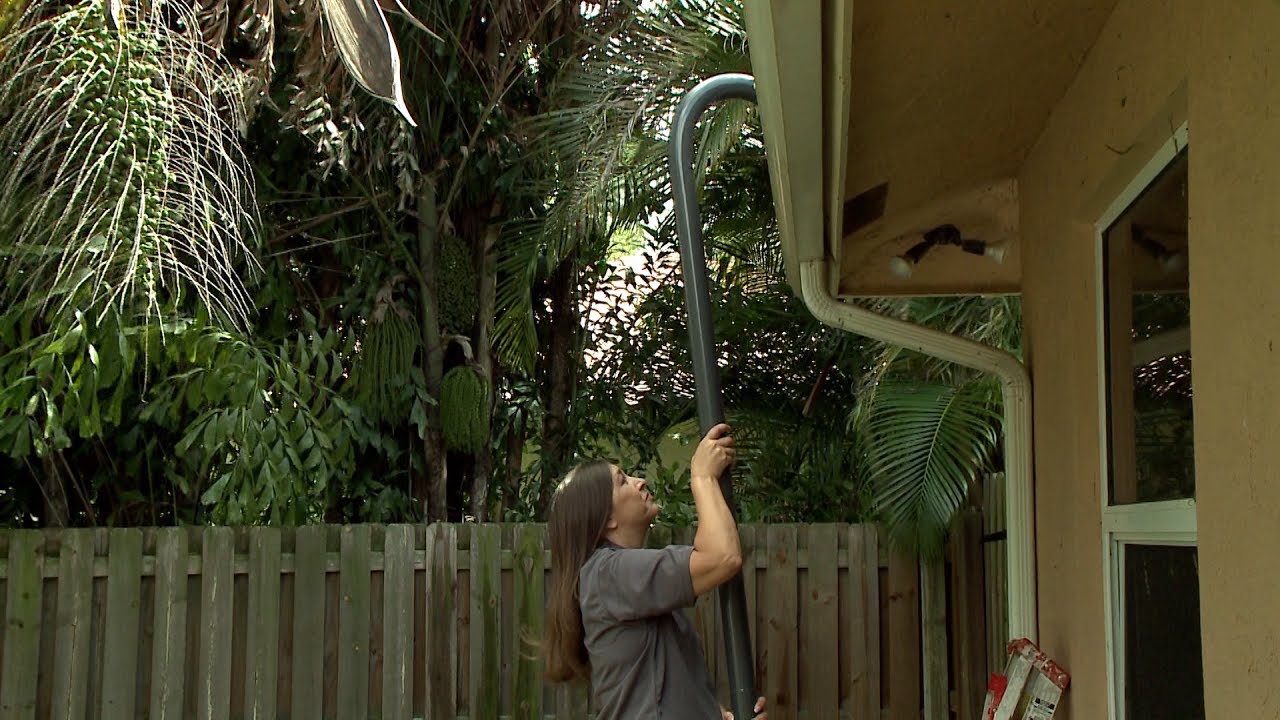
(397,621)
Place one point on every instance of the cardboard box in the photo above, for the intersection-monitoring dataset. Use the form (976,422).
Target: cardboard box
(1031,687)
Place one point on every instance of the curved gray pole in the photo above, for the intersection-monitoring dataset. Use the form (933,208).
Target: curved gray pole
(693,263)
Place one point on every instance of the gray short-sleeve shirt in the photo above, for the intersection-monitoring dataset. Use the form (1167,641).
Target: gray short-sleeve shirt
(646,658)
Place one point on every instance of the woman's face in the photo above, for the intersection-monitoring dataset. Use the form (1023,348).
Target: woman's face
(633,506)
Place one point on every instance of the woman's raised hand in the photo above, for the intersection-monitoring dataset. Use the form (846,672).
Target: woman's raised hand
(714,455)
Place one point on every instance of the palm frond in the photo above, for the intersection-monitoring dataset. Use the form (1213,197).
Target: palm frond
(928,444)
(603,146)
(122,179)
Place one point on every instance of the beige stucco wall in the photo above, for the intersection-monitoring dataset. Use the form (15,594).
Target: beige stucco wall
(1217,65)
(1127,80)
(1235,291)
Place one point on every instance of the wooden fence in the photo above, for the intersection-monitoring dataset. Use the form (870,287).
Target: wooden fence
(403,621)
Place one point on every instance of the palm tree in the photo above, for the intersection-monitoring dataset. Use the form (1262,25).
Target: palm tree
(603,165)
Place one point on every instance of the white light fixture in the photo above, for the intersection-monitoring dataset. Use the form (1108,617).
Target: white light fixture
(904,265)
(1174,262)
(901,266)
(996,252)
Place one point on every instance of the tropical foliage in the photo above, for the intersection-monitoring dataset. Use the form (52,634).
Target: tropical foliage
(282,262)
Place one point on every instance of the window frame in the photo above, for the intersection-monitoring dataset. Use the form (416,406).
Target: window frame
(1167,522)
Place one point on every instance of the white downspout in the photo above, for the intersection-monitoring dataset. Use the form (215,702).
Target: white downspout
(1015,384)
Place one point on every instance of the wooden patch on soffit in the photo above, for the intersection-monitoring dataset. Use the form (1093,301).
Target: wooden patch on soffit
(987,213)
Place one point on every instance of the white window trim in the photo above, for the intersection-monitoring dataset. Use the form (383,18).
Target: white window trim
(1170,522)
(1116,602)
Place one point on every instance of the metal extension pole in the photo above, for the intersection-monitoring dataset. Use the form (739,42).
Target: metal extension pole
(693,262)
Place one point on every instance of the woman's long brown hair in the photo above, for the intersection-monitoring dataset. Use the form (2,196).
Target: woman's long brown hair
(579,512)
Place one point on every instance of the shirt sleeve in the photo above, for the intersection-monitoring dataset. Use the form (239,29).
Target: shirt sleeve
(637,583)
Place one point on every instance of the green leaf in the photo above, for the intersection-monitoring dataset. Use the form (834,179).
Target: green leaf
(214,494)
(210,437)
(314,460)
(195,391)
(215,388)
(418,418)
(190,438)
(228,423)
(322,366)
(929,443)
(22,441)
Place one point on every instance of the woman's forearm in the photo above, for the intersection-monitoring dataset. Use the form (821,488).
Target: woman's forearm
(717,534)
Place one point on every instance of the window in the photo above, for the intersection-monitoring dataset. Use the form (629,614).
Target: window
(1149,524)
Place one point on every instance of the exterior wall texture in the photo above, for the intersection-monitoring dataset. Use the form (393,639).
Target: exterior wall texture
(1235,258)
(1157,64)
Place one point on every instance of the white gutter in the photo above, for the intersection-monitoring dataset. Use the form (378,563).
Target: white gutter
(1015,384)
(801,53)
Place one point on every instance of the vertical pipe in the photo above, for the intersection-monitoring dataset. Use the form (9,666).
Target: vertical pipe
(693,262)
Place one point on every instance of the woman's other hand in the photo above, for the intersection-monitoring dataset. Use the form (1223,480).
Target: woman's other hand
(726,715)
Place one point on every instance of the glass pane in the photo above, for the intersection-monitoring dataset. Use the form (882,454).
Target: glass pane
(1164,679)
(1162,428)
(1148,331)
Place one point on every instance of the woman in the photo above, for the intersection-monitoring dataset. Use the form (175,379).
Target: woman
(615,617)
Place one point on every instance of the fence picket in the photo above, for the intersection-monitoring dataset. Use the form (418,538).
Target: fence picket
(169,639)
(748,539)
(264,625)
(353,623)
(780,630)
(969,620)
(529,584)
(862,647)
(124,595)
(22,626)
(308,622)
(214,692)
(904,627)
(820,617)
(397,614)
(933,639)
(442,627)
(486,619)
(71,653)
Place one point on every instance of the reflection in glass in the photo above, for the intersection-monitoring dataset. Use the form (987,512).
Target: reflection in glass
(1164,679)
(1148,345)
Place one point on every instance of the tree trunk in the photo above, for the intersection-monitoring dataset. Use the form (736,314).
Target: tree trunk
(57,511)
(487,281)
(557,442)
(435,492)
(514,461)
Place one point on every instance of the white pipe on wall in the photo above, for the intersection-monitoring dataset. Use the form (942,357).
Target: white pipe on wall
(1015,385)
